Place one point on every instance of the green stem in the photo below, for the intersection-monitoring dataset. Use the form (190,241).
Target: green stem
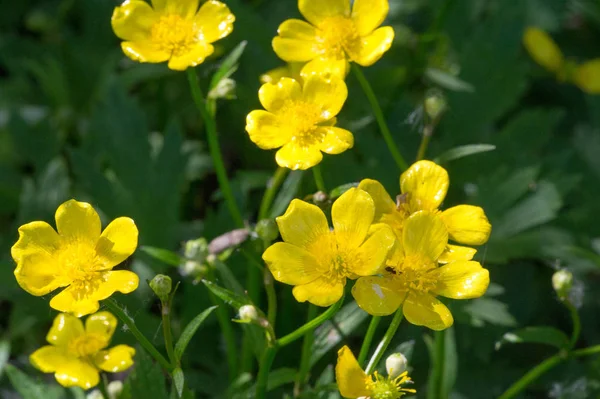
(271,297)
(167,333)
(306,350)
(318,178)
(214,148)
(103,386)
(379,117)
(364,349)
(435,389)
(385,341)
(592,350)
(267,200)
(116,309)
(576,324)
(263,372)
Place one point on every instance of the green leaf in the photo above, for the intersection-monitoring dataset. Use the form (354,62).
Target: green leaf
(190,330)
(281,377)
(4,354)
(30,389)
(339,190)
(229,297)
(447,81)
(286,193)
(146,380)
(178,380)
(463,151)
(538,335)
(229,65)
(491,311)
(78,393)
(164,255)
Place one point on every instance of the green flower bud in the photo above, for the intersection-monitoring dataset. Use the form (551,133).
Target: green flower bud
(162,286)
(196,249)
(248,314)
(562,281)
(267,230)
(435,104)
(395,365)
(224,89)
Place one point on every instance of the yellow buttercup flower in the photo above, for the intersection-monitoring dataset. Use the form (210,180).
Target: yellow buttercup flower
(290,70)
(76,354)
(301,120)
(171,30)
(317,260)
(353,382)
(79,257)
(336,35)
(413,279)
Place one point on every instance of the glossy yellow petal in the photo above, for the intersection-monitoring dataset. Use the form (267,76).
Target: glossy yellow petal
(587,76)
(115,359)
(35,237)
(293,156)
(78,221)
(215,21)
(422,309)
(49,358)
(265,131)
(302,224)
(377,295)
(427,185)
(297,29)
(329,93)
(65,328)
(185,8)
(337,67)
(467,224)
(372,254)
(195,56)
(321,292)
(461,280)
(456,252)
(383,201)
(316,11)
(335,140)
(349,376)
(73,300)
(352,214)
(543,49)
(133,20)
(77,373)
(291,70)
(369,14)
(117,242)
(373,46)
(123,281)
(290,264)
(144,52)
(273,96)
(102,324)
(424,234)
(294,50)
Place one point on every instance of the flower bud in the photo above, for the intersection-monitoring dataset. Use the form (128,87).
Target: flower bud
(224,89)
(435,104)
(196,249)
(396,364)
(162,286)
(543,49)
(267,230)
(248,314)
(114,389)
(562,281)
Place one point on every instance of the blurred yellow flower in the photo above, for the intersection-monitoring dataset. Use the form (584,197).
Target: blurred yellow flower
(80,257)
(317,260)
(413,279)
(336,35)
(76,354)
(171,30)
(546,53)
(290,70)
(353,382)
(301,120)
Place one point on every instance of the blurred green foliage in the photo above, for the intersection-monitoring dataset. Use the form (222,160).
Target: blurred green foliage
(79,120)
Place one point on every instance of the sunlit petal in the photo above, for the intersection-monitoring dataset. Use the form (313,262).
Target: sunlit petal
(302,224)
(290,264)
(424,234)
(374,251)
(378,296)
(49,358)
(467,224)
(349,376)
(426,183)
(265,131)
(296,157)
(373,46)
(422,309)
(456,252)
(461,280)
(195,56)
(78,222)
(115,359)
(133,20)
(329,93)
(215,21)
(102,324)
(273,96)
(117,242)
(78,373)
(65,328)
(335,139)
(383,201)
(316,11)
(352,214)
(369,14)
(321,292)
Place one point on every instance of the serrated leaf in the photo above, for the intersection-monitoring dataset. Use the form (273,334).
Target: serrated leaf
(190,330)
(538,335)
(288,191)
(228,66)
(164,255)
(178,380)
(448,81)
(30,389)
(464,151)
(339,190)
(230,298)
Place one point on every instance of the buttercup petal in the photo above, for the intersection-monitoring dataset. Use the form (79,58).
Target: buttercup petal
(195,56)
(290,264)
(115,359)
(48,358)
(215,20)
(335,67)
(424,233)
(467,224)
(456,252)
(328,93)
(369,14)
(349,376)
(373,252)
(297,29)
(133,20)
(336,140)
(78,221)
(35,237)
(144,52)
(78,373)
(381,198)
(543,49)
(65,328)
(587,76)
(462,280)
(321,292)
(102,324)
(352,214)
(317,11)
(265,131)
(295,157)
(374,46)
(71,300)
(422,309)
(427,184)
(184,8)
(302,224)
(117,242)
(273,96)
(294,50)
(377,295)
(291,70)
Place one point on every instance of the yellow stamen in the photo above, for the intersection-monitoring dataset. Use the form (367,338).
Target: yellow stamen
(301,119)
(175,35)
(338,36)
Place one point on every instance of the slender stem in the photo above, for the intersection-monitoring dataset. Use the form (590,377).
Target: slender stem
(116,309)
(167,333)
(385,341)
(274,184)
(263,372)
(379,117)
(271,297)
(576,323)
(306,350)
(103,386)
(214,148)
(592,350)
(364,349)
(425,139)
(318,178)
(435,390)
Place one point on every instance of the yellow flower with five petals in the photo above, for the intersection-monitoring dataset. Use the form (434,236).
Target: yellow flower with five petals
(171,30)
(301,120)
(335,35)
(290,70)
(353,382)
(414,278)
(76,354)
(317,260)
(80,257)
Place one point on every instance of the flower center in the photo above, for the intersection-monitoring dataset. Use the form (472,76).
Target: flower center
(81,267)
(174,34)
(301,119)
(387,388)
(414,273)
(337,37)
(336,262)
(86,345)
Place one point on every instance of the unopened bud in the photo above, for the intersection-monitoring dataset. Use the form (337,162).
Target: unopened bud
(114,389)
(435,104)
(162,286)
(224,89)
(248,314)
(562,281)
(319,198)
(396,364)
(267,230)
(196,249)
